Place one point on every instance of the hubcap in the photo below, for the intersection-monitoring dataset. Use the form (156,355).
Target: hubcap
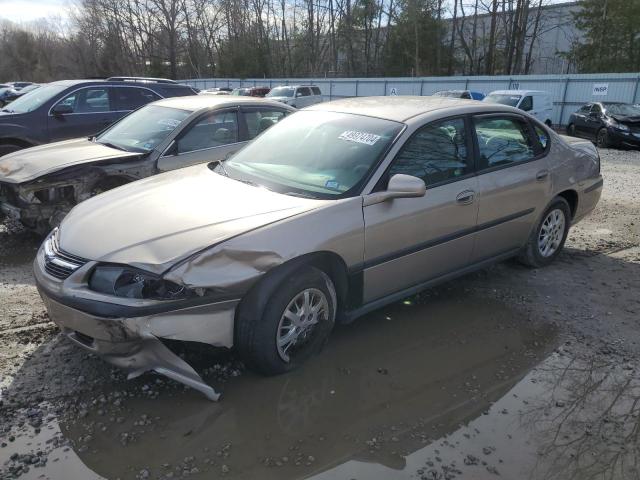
(551,233)
(299,321)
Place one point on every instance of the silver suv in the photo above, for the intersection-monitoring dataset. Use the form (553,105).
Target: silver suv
(298,96)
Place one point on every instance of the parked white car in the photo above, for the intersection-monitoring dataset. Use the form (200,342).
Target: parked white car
(535,102)
(298,96)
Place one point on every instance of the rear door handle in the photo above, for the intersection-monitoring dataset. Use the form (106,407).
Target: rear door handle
(466,197)
(542,174)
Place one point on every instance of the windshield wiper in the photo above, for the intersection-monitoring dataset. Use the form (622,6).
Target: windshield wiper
(301,195)
(112,145)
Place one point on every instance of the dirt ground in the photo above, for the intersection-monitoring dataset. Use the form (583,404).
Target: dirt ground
(506,373)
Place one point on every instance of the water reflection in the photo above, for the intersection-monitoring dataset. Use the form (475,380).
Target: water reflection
(383,388)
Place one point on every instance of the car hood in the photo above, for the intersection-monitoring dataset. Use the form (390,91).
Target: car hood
(31,163)
(155,222)
(624,119)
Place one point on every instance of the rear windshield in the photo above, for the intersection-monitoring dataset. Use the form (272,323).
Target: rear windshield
(511,100)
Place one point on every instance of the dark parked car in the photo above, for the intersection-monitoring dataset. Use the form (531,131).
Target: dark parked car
(468,94)
(251,91)
(609,124)
(10,94)
(77,108)
(19,85)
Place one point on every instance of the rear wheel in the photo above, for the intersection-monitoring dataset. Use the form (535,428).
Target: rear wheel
(602,139)
(547,238)
(294,325)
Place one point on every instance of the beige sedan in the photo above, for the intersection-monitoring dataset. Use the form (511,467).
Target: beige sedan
(333,212)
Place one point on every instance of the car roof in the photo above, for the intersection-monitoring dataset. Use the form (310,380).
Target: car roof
(199,102)
(517,92)
(98,81)
(403,107)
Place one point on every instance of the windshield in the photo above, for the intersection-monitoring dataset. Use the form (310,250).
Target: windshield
(315,154)
(144,129)
(622,109)
(511,100)
(282,92)
(34,99)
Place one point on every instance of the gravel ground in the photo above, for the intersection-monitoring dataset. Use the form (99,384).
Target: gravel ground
(479,377)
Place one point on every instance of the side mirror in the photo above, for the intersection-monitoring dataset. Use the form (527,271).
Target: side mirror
(400,186)
(62,109)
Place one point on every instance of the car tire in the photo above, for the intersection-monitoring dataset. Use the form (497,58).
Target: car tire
(571,130)
(547,238)
(7,148)
(268,343)
(602,138)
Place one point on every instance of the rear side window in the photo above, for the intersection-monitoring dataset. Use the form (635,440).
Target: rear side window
(316,90)
(214,130)
(130,98)
(89,100)
(436,153)
(503,141)
(260,120)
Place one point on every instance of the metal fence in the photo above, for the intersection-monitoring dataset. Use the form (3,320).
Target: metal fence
(568,91)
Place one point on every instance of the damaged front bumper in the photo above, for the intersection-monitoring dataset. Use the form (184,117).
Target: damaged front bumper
(131,338)
(32,214)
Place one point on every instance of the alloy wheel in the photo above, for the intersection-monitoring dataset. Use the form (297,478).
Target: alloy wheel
(299,322)
(551,233)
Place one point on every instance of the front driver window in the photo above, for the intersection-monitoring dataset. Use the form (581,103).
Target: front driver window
(503,141)
(214,130)
(436,153)
(88,100)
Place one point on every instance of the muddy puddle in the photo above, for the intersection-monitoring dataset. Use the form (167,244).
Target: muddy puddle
(447,386)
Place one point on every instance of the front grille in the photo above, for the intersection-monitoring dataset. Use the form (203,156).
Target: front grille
(57,262)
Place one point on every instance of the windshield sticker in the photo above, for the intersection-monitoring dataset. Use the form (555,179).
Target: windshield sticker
(359,137)
(169,123)
(332,184)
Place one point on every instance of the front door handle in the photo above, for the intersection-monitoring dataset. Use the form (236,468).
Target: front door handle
(542,174)
(466,197)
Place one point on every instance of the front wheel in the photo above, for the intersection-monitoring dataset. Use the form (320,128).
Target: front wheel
(602,139)
(547,238)
(571,130)
(294,324)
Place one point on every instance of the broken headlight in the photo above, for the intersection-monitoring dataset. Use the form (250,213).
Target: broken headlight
(131,283)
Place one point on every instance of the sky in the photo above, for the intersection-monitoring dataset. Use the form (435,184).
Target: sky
(29,10)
